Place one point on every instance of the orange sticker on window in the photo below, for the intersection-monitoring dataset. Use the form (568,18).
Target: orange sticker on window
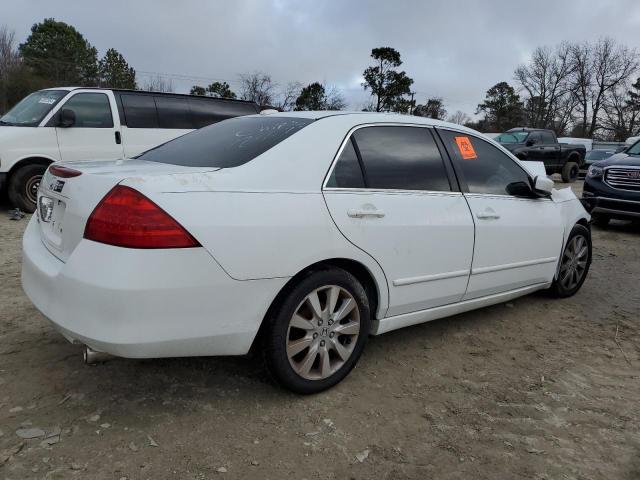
(466,148)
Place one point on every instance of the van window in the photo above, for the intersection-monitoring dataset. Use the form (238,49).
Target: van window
(140,111)
(30,111)
(92,110)
(173,112)
(206,111)
(226,144)
(401,158)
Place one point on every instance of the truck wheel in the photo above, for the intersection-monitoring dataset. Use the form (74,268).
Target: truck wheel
(23,187)
(570,172)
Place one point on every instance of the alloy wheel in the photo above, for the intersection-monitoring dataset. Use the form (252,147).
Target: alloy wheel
(323,332)
(574,262)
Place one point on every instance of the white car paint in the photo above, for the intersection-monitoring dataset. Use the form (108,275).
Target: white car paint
(431,255)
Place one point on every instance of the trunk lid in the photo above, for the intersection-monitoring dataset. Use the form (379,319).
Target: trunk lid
(65,204)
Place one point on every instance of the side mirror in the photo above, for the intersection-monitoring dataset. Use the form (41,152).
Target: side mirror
(67,118)
(543,185)
(530,143)
(520,189)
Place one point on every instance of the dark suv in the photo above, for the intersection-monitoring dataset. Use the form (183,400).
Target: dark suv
(612,187)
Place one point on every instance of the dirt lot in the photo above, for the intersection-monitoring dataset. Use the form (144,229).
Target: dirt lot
(537,388)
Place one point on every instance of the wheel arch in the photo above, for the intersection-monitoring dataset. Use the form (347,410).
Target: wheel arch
(34,160)
(354,267)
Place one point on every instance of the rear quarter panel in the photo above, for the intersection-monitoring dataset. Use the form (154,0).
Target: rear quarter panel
(258,235)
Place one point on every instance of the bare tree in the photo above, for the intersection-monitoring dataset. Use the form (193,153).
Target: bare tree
(10,63)
(258,87)
(459,117)
(288,95)
(621,117)
(547,81)
(334,98)
(582,58)
(612,65)
(158,84)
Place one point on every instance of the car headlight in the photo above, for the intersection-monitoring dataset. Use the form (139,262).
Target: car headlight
(594,172)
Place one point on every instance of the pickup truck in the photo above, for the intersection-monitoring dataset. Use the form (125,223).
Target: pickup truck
(538,145)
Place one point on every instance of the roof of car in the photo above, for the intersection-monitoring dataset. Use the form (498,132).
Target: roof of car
(370,117)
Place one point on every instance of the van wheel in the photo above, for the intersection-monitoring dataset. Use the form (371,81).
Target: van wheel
(574,263)
(316,335)
(570,172)
(23,187)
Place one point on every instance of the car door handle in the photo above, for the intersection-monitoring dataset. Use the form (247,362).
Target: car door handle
(488,214)
(360,213)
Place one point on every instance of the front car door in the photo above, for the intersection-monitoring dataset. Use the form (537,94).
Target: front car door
(95,135)
(517,239)
(391,194)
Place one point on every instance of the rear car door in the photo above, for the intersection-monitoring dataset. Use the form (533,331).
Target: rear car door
(95,135)
(517,239)
(391,194)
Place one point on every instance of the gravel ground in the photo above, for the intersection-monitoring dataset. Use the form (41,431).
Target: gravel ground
(536,388)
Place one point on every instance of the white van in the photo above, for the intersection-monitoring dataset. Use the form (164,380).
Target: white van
(65,124)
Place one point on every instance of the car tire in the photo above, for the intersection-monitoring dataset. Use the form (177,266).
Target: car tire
(23,186)
(307,348)
(574,263)
(570,172)
(600,220)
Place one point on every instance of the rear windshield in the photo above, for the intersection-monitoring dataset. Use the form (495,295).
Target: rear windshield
(226,144)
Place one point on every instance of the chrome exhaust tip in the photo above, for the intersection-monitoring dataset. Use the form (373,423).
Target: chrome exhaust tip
(92,357)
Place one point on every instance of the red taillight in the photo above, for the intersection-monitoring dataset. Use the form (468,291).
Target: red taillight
(126,218)
(63,172)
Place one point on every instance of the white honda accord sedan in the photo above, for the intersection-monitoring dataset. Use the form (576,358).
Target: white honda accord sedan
(299,234)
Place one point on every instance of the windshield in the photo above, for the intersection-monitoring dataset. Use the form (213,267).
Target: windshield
(634,149)
(30,111)
(512,137)
(226,144)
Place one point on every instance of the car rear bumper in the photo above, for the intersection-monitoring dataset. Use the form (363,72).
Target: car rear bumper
(144,303)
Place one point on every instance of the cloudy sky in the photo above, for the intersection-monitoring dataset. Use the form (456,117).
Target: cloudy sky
(453,49)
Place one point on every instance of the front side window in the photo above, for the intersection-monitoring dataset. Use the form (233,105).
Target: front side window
(226,144)
(534,138)
(401,158)
(92,110)
(30,111)
(484,167)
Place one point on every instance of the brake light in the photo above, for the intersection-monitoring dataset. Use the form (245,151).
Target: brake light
(126,218)
(64,172)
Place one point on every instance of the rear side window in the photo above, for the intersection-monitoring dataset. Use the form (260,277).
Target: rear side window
(226,144)
(173,112)
(401,158)
(92,110)
(484,167)
(206,111)
(347,172)
(547,138)
(140,111)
